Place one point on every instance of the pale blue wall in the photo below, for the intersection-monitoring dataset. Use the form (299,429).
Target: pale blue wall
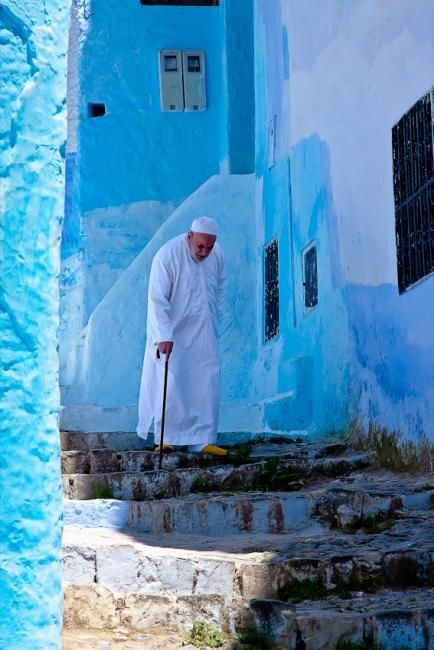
(354,69)
(132,167)
(336,76)
(303,373)
(33,132)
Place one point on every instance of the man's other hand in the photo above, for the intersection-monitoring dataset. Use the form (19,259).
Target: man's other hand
(165,347)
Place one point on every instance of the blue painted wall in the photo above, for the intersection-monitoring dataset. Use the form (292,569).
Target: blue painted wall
(136,151)
(354,70)
(33,132)
(301,376)
(331,78)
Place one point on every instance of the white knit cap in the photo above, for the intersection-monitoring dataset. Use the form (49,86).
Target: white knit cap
(204,225)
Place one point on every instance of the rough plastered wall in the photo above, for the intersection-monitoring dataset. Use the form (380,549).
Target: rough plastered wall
(128,170)
(344,73)
(301,375)
(157,157)
(102,375)
(32,144)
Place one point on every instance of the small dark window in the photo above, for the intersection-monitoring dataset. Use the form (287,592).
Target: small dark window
(310,277)
(193,63)
(96,110)
(413,184)
(170,63)
(182,3)
(271,287)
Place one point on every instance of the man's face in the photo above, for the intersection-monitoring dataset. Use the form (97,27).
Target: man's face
(200,245)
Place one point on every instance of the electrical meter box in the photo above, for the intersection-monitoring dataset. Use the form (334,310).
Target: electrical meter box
(171,81)
(193,64)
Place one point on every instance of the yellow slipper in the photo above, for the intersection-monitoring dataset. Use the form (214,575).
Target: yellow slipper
(214,450)
(165,448)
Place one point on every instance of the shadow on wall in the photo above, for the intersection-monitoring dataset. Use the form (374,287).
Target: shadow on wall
(100,377)
(302,375)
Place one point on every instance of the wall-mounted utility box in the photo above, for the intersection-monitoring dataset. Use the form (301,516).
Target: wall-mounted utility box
(171,81)
(182,80)
(193,65)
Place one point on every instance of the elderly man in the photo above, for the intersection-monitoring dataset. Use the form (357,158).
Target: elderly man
(185,295)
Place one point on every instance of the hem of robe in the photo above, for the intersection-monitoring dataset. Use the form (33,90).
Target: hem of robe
(186,441)
(182,439)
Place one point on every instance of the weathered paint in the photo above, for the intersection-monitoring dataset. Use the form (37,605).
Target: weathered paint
(32,143)
(331,80)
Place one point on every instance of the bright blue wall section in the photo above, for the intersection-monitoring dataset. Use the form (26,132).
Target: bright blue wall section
(33,132)
(137,152)
(393,344)
(303,373)
(241,85)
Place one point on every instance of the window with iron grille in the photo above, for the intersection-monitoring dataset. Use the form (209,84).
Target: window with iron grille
(271,289)
(413,183)
(185,3)
(310,277)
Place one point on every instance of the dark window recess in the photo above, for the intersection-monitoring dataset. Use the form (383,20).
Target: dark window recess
(413,184)
(271,282)
(170,63)
(182,3)
(310,275)
(96,110)
(194,63)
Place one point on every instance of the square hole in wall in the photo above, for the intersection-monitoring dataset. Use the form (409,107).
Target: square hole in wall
(96,109)
(170,63)
(193,63)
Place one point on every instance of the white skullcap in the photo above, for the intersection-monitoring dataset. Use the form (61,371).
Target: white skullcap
(205,225)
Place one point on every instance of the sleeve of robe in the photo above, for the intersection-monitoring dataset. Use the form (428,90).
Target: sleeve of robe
(160,288)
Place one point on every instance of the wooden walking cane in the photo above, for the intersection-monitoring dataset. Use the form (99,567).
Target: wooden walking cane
(163,413)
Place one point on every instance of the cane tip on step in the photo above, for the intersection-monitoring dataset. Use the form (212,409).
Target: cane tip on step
(165,448)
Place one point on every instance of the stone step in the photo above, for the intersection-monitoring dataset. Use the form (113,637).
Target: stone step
(150,639)
(137,581)
(110,460)
(118,440)
(394,620)
(106,459)
(219,515)
(276,474)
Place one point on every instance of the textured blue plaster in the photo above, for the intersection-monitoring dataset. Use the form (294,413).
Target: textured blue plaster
(33,46)
(304,373)
(71,221)
(16,26)
(393,341)
(241,86)
(285,52)
(137,152)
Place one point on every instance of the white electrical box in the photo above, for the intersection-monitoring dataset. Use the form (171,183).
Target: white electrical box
(193,64)
(171,80)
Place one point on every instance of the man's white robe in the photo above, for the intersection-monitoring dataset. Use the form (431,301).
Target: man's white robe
(184,304)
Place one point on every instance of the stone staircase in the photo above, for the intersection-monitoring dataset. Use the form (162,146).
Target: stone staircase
(310,543)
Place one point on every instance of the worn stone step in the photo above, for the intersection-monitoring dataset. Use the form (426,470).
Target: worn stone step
(118,440)
(135,580)
(109,460)
(130,485)
(150,639)
(394,620)
(218,515)
(289,474)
